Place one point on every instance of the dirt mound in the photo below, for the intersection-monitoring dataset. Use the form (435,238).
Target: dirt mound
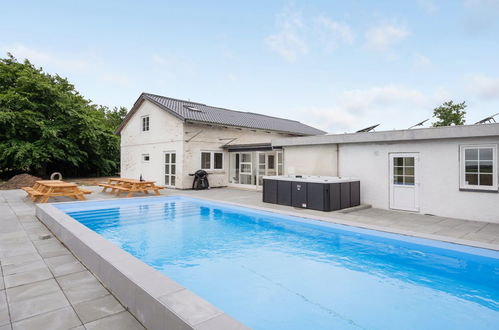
(18,181)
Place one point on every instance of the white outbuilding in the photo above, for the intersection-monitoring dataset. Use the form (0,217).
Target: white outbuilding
(447,171)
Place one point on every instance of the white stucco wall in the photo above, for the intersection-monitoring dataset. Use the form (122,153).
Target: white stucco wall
(439,167)
(310,160)
(439,192)
(165,134)
(210,140)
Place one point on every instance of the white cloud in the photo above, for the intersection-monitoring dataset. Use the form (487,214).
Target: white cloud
(483,86)
(289,41)
(58,61)
(421,62)
(379,104)
(384,36)
(333,32)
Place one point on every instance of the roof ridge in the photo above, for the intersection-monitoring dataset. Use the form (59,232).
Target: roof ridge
(174,99)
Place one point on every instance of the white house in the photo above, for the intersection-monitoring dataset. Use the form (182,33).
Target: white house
(165,139)
(447,171)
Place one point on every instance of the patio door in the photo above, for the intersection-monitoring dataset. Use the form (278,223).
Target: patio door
(245,168)
(170,169)
(404,181)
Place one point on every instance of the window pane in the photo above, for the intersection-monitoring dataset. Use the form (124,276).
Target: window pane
(172,182)
(409,180)
(409,161)
(218,160)
(271,164)
(398,161)
(398,179)
(279,170)
(471,166)
(409,171)
(167,179)
(246,168)
(398,170)
(167,158)
(485,154)
(173,169)
(167,169)
(279,157)
(246,179)
(471,154)
(261,158)
(486,179)
(472,179)
(246,158)
(174,158)
(205,160)
(485,167)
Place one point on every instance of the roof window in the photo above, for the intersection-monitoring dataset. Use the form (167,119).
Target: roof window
(191,108)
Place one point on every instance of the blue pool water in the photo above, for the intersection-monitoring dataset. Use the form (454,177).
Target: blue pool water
(279,272)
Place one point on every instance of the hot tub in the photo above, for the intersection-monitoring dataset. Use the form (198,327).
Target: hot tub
(323,193)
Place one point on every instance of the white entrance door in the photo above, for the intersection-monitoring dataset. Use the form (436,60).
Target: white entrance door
(170,169)
(404,181)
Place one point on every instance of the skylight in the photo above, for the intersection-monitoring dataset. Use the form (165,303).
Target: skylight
(191,108)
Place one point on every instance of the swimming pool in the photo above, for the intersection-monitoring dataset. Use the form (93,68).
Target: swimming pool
(272,271)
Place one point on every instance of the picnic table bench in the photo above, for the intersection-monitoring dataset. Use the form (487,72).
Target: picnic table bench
(44,189)
(119,185)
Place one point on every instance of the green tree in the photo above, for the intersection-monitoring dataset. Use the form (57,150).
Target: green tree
(46,125)
(449,114)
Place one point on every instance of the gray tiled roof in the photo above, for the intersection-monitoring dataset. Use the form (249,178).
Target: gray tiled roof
(199,112)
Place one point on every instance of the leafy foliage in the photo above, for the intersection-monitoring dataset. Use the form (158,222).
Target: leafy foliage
(450,114)
(46,125)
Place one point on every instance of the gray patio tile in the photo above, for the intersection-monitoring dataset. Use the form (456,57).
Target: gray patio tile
(32,290)
(23,267)
(37,305)
(121,321)
(4,310)
(27,277)
(96,309)
(5,327)
(61,319)
(20,259)
(82,286)
(50,248)
(63,265)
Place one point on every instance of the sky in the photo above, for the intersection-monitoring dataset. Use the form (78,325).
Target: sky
(336,65)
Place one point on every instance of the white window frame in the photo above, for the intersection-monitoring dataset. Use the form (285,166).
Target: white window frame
(142,126)
(144,160)
(212,160)
(462,167)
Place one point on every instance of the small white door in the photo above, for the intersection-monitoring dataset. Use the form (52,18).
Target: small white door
(404,181)
(170,169)
(246,168)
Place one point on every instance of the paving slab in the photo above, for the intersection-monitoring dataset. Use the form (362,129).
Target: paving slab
(60,319)
(4,309)
(36,275)
(92,310)
(64,265)
(37,305)
(82,286)
(120,321)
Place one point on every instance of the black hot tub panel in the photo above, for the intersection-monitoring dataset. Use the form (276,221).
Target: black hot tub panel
(316,193)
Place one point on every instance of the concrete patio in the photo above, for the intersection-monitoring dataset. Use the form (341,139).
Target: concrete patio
(43,286)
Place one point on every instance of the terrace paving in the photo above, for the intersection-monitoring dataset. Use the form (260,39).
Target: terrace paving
(43,286)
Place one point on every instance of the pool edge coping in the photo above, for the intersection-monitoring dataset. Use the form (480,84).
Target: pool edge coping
(153,298)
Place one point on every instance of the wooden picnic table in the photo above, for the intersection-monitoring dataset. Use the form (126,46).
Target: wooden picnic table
(119,185)
(44,189)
